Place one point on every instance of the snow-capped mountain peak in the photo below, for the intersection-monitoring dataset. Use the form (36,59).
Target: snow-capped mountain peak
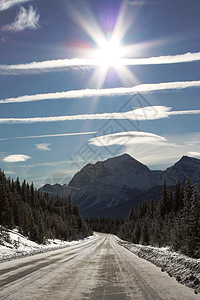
(121,182)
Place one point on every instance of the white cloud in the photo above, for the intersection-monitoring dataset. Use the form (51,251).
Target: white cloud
(62,64)
(163,154)
(46,66)
(16,158)
(159,60)
(47,135)
(6,4)
(43,146)
(142,88)
(9,172)
(194,154)
(126,138)
(139,114)
(184,112)
(26,19)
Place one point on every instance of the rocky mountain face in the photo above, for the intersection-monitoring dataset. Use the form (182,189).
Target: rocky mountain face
(185,167)
(112,187)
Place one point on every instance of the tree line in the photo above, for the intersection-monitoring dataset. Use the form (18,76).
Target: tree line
(105,225)
(38,216)
(172,221)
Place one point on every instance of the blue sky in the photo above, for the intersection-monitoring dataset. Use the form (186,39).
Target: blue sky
(81,81)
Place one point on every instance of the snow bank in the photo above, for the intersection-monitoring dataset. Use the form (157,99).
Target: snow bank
(15,245)
(186,270)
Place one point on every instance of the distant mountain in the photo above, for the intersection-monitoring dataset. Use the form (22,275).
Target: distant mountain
(112,187)
(57,189)
(185,167)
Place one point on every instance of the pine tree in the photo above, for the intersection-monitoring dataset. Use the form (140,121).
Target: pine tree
(164,200)
(21,205)
(192,239)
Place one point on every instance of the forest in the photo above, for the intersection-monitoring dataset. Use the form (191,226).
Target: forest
(38,216)
(173,221)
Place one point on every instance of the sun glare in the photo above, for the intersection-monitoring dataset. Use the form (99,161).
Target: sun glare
(109,53)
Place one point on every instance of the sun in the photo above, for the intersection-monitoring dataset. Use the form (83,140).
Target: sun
(109,49)
(109,53)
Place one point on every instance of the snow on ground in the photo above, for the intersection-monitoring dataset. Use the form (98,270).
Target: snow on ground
(186,270)
(15,245)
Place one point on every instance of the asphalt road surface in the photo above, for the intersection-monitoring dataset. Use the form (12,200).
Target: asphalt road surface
(98,269)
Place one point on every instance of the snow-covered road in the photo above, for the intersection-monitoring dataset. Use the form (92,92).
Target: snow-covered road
(97,269)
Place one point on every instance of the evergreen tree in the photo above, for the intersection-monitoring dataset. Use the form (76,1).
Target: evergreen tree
(36,215)
(173,221)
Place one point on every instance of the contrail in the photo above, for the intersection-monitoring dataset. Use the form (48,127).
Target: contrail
(62,64)
(144,113)
(47,135)
(120,91)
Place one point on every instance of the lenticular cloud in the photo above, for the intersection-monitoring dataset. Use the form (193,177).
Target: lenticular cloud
(16,158)
(126,138)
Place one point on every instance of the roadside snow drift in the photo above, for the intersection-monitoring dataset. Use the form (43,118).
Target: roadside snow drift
(186,270)
(15,245)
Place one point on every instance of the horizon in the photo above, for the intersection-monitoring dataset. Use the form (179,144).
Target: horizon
(91,80)
(66,183)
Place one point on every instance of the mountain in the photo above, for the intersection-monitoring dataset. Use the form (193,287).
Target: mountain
(185,167)
(57,189)
(112,187)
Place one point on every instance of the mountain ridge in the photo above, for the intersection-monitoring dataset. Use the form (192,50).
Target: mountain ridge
(122,181)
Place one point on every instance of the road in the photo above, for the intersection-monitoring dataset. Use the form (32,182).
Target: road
(98,269)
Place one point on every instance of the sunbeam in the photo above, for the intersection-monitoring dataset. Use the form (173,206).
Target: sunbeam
(109,51)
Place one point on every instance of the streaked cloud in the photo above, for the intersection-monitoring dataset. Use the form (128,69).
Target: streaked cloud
(139,114)
(63,64)
(121,91)
(52,164)
(46,66)
(6,4)
(126,138)
(26,19)
(184,112)
(48,135)
(141,2)
(43,146)
(16,158)
(159,60)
